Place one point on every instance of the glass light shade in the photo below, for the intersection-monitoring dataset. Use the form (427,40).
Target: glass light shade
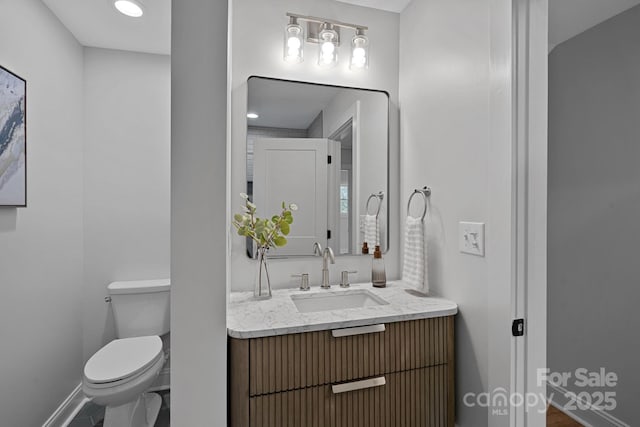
(359,52)
(129,7)
(328,54)
(293,43)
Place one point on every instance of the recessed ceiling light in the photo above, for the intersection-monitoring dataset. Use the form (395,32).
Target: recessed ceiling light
(130,8)
(252,116)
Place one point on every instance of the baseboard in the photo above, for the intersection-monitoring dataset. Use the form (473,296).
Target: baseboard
(62,416)
(590,417)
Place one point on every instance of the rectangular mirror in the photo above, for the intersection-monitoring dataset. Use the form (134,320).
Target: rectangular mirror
(324,148)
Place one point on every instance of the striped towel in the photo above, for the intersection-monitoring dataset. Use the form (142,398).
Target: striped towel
(371,231)
(415,256)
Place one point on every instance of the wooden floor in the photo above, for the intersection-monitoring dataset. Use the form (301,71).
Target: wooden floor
(555,418)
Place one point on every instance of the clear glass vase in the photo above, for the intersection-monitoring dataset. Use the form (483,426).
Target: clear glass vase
(262,288)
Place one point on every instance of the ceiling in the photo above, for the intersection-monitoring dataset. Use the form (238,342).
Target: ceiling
(568,18)
(97,23)
(388,5)
(288,105)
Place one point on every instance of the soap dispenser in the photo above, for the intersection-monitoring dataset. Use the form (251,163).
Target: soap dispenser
(378,275)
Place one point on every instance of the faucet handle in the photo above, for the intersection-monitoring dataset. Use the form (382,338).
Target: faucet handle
(344,281)
(304,281)
(317,249)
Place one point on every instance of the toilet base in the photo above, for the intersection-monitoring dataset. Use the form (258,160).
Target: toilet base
(141,412)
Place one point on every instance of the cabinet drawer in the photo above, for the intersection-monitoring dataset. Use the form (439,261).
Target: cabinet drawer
(290,362)
(418,397)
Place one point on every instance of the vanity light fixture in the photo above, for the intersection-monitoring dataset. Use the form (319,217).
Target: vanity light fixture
(325,33)
(131,8)
(293,41)
(328,55)
(252,115)
(359,51)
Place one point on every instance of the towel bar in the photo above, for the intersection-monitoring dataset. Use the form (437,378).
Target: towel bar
(380,197)
(426,192)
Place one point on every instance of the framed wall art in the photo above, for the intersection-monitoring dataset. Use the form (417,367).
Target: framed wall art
(13,139)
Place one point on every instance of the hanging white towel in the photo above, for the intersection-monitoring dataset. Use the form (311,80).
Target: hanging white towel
(371,231)
(414,271)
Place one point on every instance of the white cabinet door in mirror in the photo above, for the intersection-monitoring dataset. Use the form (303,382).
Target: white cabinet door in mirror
(293,170)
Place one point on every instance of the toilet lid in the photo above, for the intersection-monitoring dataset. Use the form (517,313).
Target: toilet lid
(122,358)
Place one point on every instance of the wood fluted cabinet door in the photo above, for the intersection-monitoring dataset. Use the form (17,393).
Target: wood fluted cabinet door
(289,380)
(410,398)
(289,362)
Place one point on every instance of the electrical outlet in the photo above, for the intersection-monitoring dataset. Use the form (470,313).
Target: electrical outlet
(471,238)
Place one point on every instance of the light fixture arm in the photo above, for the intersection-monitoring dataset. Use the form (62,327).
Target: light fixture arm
(327,21)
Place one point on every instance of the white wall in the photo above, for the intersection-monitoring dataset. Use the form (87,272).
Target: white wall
(41,246)
(199,222)
(444,104)
(594,205)
(126,178)
(262,55)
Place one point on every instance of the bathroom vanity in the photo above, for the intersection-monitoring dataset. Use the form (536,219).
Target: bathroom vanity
(354,357)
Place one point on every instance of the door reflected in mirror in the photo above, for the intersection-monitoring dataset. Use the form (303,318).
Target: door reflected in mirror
(324,148)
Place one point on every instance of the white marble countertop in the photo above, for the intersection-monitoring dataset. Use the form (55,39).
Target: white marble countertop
(251,318)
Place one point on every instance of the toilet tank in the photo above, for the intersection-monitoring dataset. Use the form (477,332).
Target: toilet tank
(140,307)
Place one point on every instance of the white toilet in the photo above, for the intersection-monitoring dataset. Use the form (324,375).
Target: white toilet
(121,372)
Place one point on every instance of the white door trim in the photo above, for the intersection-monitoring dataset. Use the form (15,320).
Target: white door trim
(333,195)
(530,131)
(352,113)
(500,244)
(517,210)
(535,137)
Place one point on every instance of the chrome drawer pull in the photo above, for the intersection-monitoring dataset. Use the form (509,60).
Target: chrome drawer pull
(358,385)
(359,330)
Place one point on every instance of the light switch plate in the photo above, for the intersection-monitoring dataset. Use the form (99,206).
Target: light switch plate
(471,238)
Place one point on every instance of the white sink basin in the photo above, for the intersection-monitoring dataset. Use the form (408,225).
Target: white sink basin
(336,301)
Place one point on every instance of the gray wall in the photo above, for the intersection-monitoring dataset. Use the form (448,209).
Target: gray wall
(316,127)
(594,205)
(41,246)
(127,127)
(199,222)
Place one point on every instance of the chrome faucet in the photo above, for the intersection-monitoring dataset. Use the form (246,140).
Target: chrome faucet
(327,255)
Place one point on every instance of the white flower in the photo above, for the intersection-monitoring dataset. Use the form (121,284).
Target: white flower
(244,195)
(293,207)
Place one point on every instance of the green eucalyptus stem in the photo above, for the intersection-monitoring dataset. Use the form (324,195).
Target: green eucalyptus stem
(266,232)
(277,228)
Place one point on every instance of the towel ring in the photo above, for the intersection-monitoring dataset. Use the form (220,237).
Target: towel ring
(426,192)
(380,197)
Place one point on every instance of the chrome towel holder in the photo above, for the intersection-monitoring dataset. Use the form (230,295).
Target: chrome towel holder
(380,197)
(425,192)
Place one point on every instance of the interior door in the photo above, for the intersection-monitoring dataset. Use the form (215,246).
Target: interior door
(293,170)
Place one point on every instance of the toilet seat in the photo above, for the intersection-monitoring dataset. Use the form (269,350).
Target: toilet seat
(122,360)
